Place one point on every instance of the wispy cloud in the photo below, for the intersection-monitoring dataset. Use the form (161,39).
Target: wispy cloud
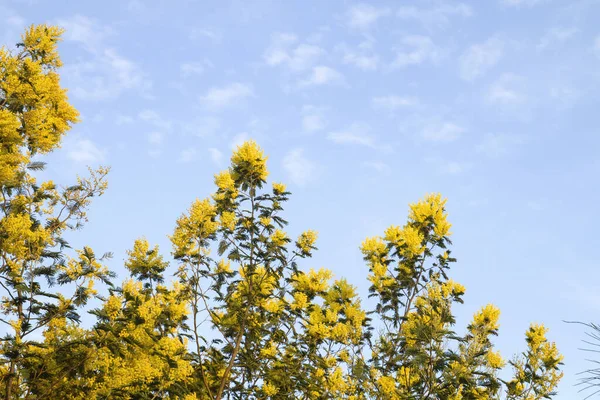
(284,50)
(153,118)
(194,68)
(215,155)
(480,58)
(220,97)
(83,151)
(362,16)
(498,145)
(521,3)
(556,36)
(437,16)
(416,49)
(313,119)
(155,138)
(392,102)
(323,75)
(188,155)
(356,134)
(505,90)
(300,169)
(378,166)
(447,167)
(442,132)
(105,74)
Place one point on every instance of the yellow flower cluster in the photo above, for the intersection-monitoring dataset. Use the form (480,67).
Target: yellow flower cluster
(279,238)
(278,188)
(313,281)
(306,241)
(431,210)
(194,227)
(249,164)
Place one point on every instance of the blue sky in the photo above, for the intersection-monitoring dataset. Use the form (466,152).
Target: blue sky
(362,108)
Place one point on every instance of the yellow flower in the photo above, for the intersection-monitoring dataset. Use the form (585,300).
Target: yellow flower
(228,220)
(249,164)
(494,359)
(224,266)
(487,317)
(387,384)
(269,389)
(279,238)
(224,181)
(278,188)
(306,241)
(373,248)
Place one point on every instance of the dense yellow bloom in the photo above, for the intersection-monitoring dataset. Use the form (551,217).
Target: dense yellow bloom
(195,226)
(20,238)
(306,241)
(387,385)
(269,389)
(249,164)
(228,220)
(487,317)
(374,249)
(279,238)
(224,181)
(494,359)
(432,208)
(313,281)
(279,188)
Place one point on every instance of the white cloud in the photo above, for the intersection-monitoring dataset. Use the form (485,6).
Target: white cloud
(556,36)
(313,123)
(356,133)
(198,33)
(86,32)
(480,58)
(313,119)
(362,61)
(564,95)
(124,120)
(297,58)
(105,77)
(497,145)
(300,169)
(377,166)
(215,155)
(83,151)
(188,155)
(392,103)
(505,91)
(519,3)
(453,167)
(361,56)
(322,75)
(219,97)
(153,118)
(189,69)
(416,49)
(442,132)
(105,74)
(155,138)
(437,16)
(362,16)
(202,126)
